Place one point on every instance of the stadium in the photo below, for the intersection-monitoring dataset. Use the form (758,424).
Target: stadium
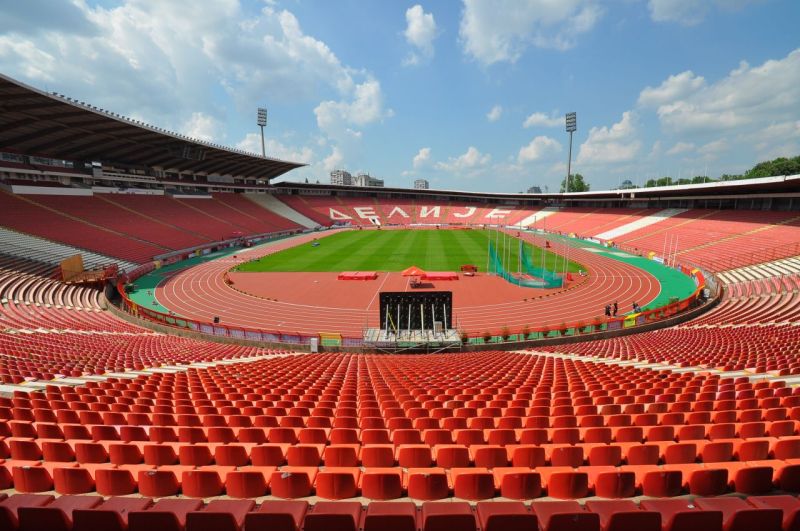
(189,341)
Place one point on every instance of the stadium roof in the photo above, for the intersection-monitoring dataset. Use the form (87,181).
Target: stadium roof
(782,186)
(34,122)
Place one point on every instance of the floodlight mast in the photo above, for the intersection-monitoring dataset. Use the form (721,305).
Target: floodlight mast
(572,126)
(262,121)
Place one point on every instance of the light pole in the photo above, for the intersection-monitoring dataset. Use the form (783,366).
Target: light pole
(262,122)
(572,126)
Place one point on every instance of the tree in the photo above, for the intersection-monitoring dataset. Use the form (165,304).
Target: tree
(576,184)
(661,181)
(771,168)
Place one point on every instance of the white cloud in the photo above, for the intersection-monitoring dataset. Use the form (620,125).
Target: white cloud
(422,157)
(472,159)
(686,12)
(501,30)
(494,114)
(714,148)
(673,88)
(542,120)
(618,143)
(275,149)
(539,147)
(334,160)
(681,147)
(747,97)
(690,12)
(152,61)
(203,127)
(365,107)
(420,33)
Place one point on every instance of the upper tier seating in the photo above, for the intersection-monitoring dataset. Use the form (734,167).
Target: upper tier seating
(245,212)
(591,221)
(137,227)
(720,239)
(19,213)
(327,210)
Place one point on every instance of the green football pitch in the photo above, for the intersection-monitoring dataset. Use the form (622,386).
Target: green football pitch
(395,250)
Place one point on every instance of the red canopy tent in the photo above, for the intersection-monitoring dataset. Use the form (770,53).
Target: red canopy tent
(413,271)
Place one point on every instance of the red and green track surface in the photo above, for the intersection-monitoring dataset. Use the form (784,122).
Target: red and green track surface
(311,302)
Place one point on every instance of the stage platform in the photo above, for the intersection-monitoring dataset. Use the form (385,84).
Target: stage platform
(410,339)
(357,275)
(440,275)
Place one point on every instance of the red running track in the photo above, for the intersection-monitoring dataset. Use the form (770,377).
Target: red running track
(316,302)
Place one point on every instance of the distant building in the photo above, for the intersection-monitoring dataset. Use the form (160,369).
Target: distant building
(535,190)
(341,177)
(421,184)
(365,180)
(344,178)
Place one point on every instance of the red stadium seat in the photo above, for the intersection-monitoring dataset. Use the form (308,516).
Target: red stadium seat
(455,516)
(393,516)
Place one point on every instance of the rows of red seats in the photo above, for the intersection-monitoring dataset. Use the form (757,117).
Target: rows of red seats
(34,302)
(44,356)
(137,227)
(755,333)
(244,212)
(763,286)
(89,513)
(474,426)
(22,265)
(724,239)
(20,214)
(760,349)
(51,329)
(327,210)
(776,308)
(590,221)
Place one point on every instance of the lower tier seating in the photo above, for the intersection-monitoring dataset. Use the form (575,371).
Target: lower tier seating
(346,432)
(26,512)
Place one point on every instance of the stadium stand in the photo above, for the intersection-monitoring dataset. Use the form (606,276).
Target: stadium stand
(130,229)
(275,205)
(720,239)
(591,221)
(23,215)
(29,248)
(770,270)
(301,205)
(753,328)
(369,428)
(328,209)
(105,424)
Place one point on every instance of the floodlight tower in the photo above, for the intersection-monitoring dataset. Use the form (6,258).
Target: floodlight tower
(262,122)
(572,126)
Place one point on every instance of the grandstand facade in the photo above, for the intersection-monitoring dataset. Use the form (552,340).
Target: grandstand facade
(108,423)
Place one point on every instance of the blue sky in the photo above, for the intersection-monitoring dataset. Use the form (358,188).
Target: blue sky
(468,94)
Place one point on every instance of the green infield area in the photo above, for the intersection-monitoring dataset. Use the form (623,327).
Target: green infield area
(395,250)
